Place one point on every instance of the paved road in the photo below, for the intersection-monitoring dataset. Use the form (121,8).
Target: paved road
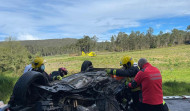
(179,104)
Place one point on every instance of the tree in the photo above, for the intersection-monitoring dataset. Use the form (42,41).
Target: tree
(84,44)
(94,41)
(132,41)
(112,43)
(151,38)
(14,56)
(187,35)
(188,27)
(140,40)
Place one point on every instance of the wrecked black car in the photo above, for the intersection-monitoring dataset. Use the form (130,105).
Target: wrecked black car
(89,90)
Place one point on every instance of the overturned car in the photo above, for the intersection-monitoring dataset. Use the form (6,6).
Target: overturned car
(89,90)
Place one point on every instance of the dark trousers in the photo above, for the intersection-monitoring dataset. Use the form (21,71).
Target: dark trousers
(136,102)
(148,107)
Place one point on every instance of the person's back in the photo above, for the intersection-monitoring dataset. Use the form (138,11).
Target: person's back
(55,73)
(150,80)
(151,84)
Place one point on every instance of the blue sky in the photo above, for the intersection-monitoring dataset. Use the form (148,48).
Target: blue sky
(50,19)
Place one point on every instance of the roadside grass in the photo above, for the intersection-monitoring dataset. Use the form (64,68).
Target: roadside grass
(173,62)
(172,88)
(7,82)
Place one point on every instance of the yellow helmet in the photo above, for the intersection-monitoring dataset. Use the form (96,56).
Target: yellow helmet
(38,62)
(127,60)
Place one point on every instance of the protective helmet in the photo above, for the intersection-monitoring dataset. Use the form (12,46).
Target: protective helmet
(38,62)
(127,60)
(63,70)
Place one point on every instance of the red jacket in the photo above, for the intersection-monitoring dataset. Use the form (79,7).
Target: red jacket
(150,81)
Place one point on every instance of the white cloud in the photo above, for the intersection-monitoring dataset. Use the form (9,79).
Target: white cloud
(158,26)
(75,18)
(27,37)
(167,31)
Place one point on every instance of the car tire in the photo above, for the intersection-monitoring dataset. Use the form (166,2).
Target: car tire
(23,88)
(85,65)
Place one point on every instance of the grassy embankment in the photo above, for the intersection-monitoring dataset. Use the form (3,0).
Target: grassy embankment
(7,81)
(174,63)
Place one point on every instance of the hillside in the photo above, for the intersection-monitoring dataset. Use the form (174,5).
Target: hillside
(50,46)
(49,42)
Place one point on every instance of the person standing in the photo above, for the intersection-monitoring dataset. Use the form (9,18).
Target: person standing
(150,81)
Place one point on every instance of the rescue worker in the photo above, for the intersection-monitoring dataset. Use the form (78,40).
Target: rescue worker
(38,65)
(28,68)
(150,80)
(128,71)
(58,75)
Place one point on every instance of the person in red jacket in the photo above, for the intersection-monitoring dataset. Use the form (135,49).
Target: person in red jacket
(150,81)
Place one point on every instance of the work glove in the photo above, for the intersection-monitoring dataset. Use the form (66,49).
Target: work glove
(111,71)
(127,84)
(57,78)
(114,72)
(124,101)
(108,71)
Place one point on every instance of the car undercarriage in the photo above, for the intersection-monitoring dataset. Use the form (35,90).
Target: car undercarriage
(89,90)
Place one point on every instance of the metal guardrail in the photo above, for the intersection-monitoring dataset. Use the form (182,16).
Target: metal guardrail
(176,97)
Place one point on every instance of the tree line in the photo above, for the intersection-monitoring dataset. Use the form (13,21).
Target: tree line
(136,40)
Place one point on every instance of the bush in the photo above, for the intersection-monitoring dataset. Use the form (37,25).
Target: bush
(13,57)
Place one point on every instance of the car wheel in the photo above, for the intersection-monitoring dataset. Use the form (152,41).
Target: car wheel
(24,91)
(85,66)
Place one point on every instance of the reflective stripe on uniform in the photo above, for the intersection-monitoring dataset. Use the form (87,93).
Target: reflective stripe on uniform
(155,76)
(114,72)
(164,102)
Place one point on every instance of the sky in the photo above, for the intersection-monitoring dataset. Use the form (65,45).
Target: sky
(56,19)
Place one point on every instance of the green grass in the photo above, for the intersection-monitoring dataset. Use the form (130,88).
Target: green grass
(176,88)
(7,81)
(173,62)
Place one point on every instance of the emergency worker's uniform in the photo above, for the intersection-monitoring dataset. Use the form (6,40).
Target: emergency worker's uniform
(128,72)
(38,65)
(150,81)
(58,75)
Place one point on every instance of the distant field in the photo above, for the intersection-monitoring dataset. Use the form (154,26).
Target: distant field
(174,63)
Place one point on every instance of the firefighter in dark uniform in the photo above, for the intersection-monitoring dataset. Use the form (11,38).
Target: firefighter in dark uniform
(128,72)
(38,65)
(58,75)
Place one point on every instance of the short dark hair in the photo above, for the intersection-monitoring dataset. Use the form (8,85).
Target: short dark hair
(141,62)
